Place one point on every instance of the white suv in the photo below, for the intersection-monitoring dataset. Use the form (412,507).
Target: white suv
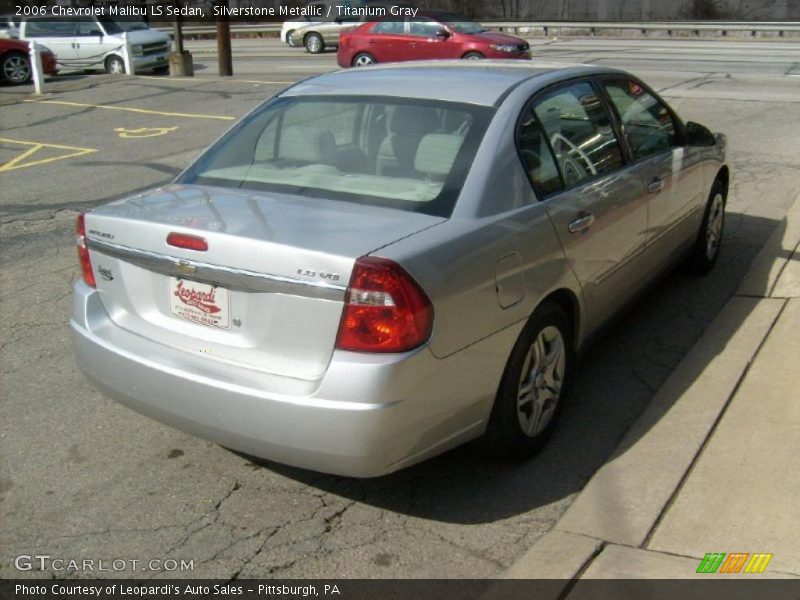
(96,43)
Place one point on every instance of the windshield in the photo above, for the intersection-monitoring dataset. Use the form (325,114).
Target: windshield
(406,154)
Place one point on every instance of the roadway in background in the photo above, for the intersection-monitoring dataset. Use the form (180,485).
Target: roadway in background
(82,477)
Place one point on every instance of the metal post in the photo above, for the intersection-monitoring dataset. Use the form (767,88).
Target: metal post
(224,40)
(127,53)
(37,72)
(178,30)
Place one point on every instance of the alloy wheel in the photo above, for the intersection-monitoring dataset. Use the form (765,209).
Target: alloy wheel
(16,69)
(541,381)
(716,218)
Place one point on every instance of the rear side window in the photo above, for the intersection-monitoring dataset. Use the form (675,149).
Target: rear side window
(389,26)
(579,130)
(648,125)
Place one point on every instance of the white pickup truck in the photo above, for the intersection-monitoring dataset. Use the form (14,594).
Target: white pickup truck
(91,43)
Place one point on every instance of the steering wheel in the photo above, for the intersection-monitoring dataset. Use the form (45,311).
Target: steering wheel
(557,137)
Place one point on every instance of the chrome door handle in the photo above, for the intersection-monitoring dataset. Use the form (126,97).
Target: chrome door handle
(581,224)
(655,185)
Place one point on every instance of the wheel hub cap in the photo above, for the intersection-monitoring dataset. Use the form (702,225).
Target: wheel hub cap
(541,381)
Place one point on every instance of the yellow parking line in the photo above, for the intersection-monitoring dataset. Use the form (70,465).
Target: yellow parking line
(17,161)
(136,110)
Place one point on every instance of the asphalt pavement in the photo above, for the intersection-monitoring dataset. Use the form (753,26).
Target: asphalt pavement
(82,477)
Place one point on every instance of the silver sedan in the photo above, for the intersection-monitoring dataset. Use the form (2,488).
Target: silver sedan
(377,265)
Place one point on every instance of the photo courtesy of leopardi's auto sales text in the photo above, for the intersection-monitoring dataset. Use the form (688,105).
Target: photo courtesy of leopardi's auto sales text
(404,299)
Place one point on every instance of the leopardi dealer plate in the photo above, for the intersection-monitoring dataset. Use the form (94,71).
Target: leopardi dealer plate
(200,302)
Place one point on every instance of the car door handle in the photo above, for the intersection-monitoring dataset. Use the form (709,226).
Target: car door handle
(655,185)
(582,223)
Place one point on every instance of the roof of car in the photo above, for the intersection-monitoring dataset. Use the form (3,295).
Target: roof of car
(483,82)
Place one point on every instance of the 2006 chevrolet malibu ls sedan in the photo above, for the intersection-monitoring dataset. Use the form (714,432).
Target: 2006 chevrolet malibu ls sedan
(377,265)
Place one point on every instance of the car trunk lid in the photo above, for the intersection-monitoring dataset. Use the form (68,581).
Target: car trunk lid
(268,291)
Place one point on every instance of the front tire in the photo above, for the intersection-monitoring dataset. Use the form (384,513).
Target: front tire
(705,251)
(314,43)
(115,65)
(535,383)
(16,68)
(363,59)
(289,39)
(473,56)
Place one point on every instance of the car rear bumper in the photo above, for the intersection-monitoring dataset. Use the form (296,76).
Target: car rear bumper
(368,416)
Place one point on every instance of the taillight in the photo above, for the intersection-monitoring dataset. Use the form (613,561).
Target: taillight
(189,242)
(385,309)
(83,252)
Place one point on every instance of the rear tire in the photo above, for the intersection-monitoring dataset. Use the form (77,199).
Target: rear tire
(705,251)
(314,43)
(473,56)
(289,39)
(363,59)
(16,68)
(115,65)
(535,384)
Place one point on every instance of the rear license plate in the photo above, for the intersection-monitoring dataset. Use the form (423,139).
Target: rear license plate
(200,302)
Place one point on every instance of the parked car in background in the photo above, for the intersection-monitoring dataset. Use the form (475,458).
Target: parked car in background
(288,27)
(316,37)
(91,43)
(379,264)
(15,64)
(429,35)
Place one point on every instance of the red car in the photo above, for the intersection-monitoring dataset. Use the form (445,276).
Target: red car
(15,66)
(429,35)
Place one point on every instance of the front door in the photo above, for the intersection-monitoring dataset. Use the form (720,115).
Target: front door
(671,172)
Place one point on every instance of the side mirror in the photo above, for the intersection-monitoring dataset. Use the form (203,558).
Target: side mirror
(338,20)
(697,135)
(442,33)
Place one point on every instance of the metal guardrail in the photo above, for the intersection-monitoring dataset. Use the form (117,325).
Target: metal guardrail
(545,26)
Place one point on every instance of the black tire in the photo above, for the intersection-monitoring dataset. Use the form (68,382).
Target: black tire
(16,68)
(704,253)
(363,59)
(314,43)
(289,40)
(473,56)
(115,65)
(505,435)
(163,70)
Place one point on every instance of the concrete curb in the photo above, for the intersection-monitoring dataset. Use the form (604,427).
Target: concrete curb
(625,500)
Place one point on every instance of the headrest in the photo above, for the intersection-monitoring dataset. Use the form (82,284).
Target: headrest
(306,144)
(436,153)
(413,120)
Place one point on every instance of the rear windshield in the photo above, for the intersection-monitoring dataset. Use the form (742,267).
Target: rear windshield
(407,154)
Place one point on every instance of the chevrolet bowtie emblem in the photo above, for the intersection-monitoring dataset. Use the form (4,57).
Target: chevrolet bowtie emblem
(184,268)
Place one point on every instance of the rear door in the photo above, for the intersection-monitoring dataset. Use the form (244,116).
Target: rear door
(575,161)
(388,41)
